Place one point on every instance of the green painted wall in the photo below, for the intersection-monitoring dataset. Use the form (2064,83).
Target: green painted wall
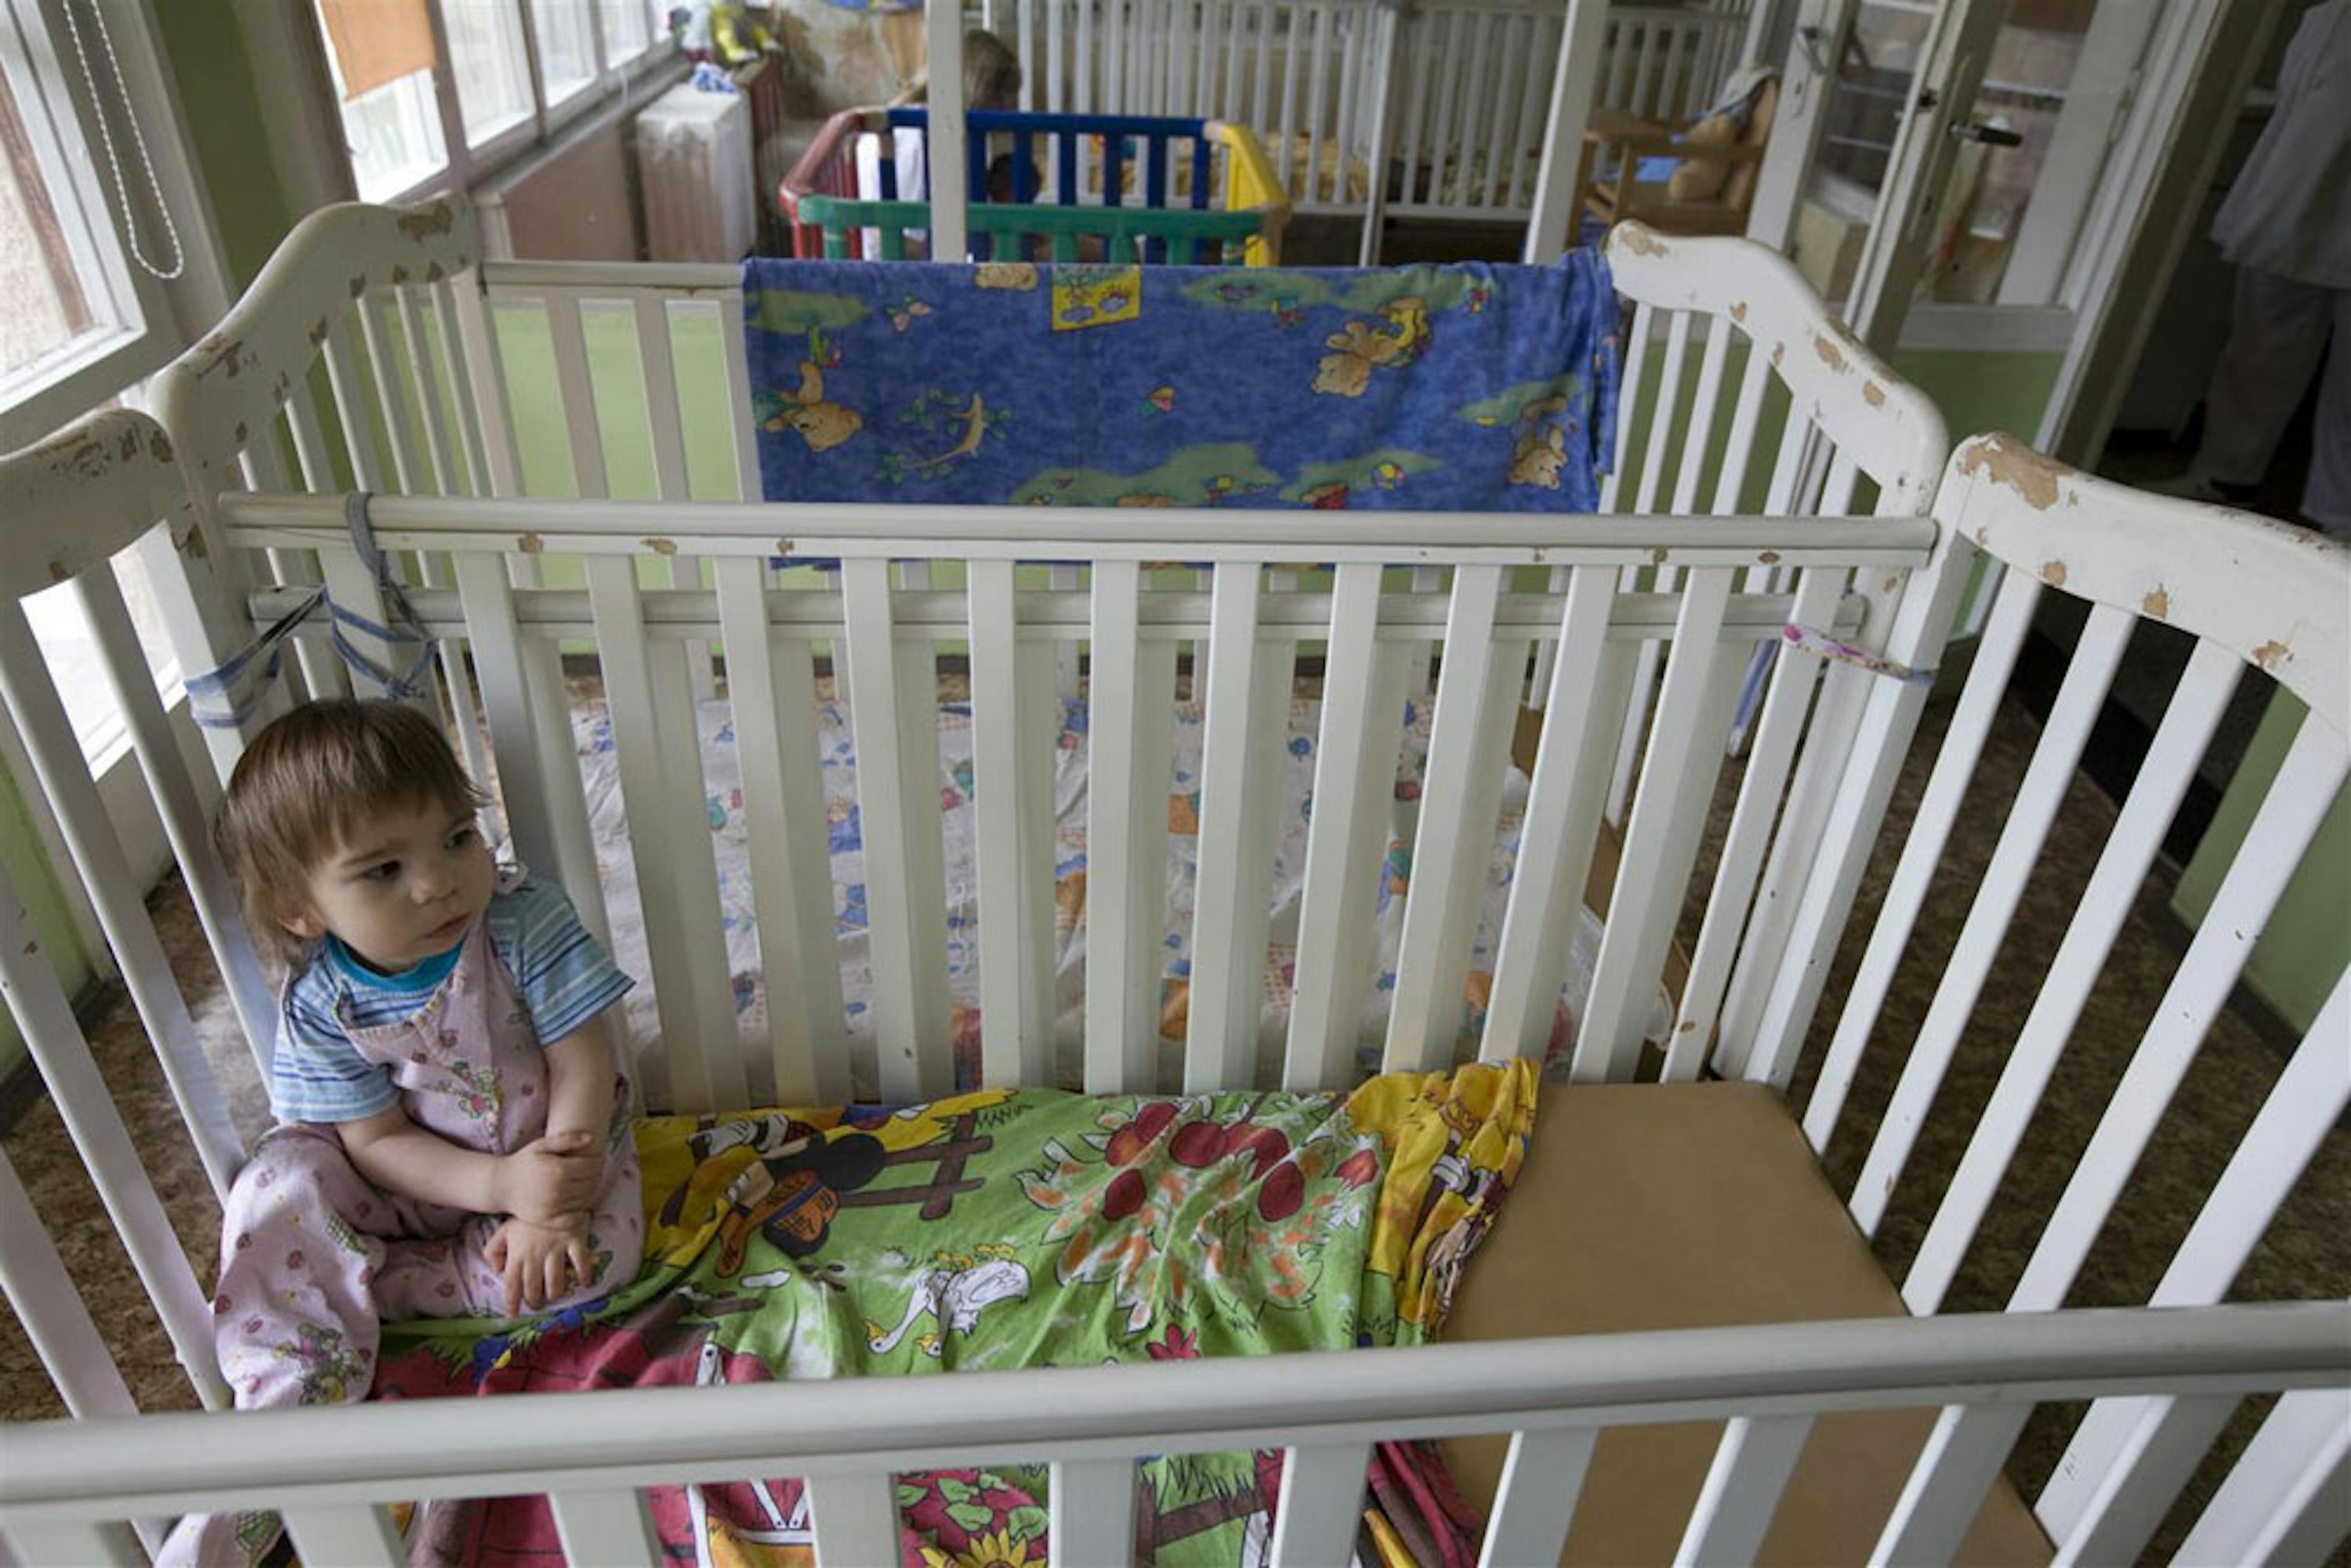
(2303,949)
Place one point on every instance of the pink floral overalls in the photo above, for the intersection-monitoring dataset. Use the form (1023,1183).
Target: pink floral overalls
(314,1256)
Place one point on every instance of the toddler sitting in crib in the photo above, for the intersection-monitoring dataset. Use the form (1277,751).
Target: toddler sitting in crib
(454,1132)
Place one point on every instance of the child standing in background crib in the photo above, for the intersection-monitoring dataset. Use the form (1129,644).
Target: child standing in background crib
(455,1131)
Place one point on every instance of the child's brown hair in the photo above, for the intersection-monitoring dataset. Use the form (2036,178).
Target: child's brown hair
(308,784)
(991,74)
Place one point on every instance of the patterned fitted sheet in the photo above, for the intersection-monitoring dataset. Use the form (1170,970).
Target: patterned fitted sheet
(723,784)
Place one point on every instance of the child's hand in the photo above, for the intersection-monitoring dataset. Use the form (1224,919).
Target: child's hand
(541,1263)
(560,1174)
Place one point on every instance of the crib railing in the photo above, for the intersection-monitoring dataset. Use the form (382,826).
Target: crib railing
(68,1487)
(1451,96)
(1245,643)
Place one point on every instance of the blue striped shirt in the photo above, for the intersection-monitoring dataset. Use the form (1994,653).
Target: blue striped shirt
(562,973)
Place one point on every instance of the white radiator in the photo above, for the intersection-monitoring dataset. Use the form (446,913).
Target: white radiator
(693,165)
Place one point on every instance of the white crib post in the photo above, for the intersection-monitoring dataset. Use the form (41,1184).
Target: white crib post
(605,1527)
(943,162)
(1551,228)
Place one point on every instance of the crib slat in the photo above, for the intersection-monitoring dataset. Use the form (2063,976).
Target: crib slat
(467,416)
(1116,63)
(1496,129)
(1322,1504)
(670,844)
(1247,688)
(1126,836)
(95,1123)
(1448,68)
(2147,813)
(186,824)
(1092,1508)
(350,407)
(55,1318)
(2158,1458)
(1534,1502)
(1947,1486)
(2037,800)
(659,366)
(1744,414)
(854,1518)
(1228,106)
(1083,97)
(538,774)
(1750,833)
(1562,821)
(729,311)
(1354,783)
(2314,769)
(1808,893)
(497,469)
(1955,766)
(1418,28)
(2282,1501)
(1534,52)
(1667,414)
(1621,54)
(407,472)
(897,796)
(770,681)
(353,1533)
(2300,1109)
(64,779)
(1635,367)
(1016,907)
(1472,69)
(1476,692)
(1742,1489)
(108,1545)
(1292,43)
(1261,89)
(1693,709)
(575,386)
(1350,70)
(1318,63)
(1696,444)
(605,1527)
(433,413)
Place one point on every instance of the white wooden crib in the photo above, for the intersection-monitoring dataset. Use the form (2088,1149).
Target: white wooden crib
(1587,600)
(1454,94)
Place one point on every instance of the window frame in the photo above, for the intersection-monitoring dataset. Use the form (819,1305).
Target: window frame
(465,166)
(152,318)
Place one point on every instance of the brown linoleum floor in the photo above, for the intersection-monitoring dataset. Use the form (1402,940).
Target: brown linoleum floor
(2306,1254)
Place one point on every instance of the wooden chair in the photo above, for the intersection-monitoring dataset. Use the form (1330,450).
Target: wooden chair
(1619,143)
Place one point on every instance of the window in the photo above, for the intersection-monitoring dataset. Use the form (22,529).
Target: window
(104,253)
(80,317)
(516,71)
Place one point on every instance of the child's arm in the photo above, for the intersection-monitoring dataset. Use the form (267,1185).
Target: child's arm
(579,1084)
(558,1175)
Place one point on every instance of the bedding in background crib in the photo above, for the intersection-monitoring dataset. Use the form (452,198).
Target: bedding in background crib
(1464,388)
(722,775)
(1003,1229)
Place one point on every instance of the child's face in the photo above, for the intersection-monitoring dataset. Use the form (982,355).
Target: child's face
(402,891)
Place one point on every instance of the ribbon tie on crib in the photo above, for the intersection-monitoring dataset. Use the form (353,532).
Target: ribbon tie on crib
(225,697)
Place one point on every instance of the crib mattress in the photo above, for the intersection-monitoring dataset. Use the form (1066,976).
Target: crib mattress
(1688,1206)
